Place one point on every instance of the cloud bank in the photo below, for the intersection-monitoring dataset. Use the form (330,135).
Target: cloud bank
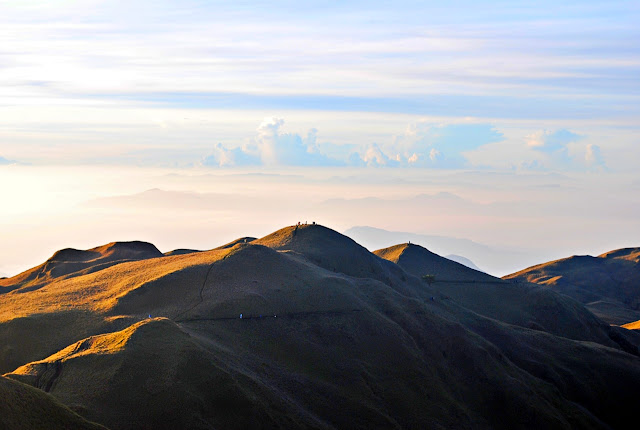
(421,145)
(272,147)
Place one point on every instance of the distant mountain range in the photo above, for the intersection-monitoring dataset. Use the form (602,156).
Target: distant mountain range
(462,260)
(305,328)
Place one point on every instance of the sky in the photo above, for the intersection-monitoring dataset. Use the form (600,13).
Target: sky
(514,124)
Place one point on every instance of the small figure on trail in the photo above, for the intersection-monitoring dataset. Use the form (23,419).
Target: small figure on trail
(149,316)
(240,316)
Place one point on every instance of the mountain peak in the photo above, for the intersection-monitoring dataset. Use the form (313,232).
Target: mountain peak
(419,261)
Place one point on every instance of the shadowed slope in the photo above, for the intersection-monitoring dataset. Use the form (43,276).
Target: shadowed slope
(396,365)
(23,407)
(586,373)
(335,252)
(517,304)
(420,261)
(73,262)
(609,284)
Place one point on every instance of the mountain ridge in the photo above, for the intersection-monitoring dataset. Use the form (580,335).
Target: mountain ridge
(608,284)
(287,326)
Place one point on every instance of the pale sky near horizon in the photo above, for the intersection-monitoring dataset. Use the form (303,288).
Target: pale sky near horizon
(528,113)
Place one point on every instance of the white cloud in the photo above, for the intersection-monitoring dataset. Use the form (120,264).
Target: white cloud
(272,147)
(546,141)
(422,145)
(374,157)
(223,157)
(562,149)
(433,145)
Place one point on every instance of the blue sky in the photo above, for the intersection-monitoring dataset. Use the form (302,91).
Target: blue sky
(487,101)
(532,66)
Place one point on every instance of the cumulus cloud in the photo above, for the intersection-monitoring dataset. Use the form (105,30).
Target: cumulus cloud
(272,147)
(421,145)
(431,145)
(373,156)
(223,157)
(562,148)
(545,141)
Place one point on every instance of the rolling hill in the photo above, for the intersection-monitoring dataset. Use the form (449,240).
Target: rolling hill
(608,285)
(305,328)
(74,262)
(522,305)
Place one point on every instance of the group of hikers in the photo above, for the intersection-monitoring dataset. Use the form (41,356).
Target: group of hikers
(260,316)
(305,223)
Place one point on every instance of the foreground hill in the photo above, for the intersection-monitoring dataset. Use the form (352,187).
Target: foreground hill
(150,375)
(608,285)
(25,408)
(304,328)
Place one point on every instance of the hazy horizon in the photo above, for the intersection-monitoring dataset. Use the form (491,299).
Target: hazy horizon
(544,215)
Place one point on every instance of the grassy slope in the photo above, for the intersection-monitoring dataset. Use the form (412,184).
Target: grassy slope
(518,304)
(351,329)
(609,283)
(73,262)
(25,408)
(420,261)
(150,375)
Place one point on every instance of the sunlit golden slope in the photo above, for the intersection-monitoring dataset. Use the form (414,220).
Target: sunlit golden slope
(66,310)
(102,290)
(609,284)
(632,325)
(74,262)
